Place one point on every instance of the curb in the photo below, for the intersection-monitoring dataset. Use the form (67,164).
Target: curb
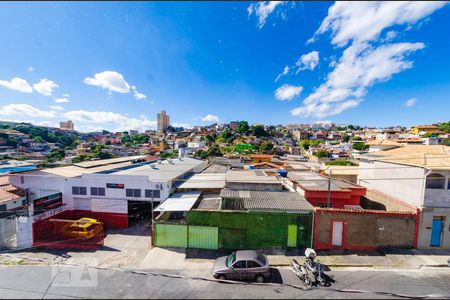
(332,265)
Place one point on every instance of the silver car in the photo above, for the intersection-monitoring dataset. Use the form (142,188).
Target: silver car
(242,265)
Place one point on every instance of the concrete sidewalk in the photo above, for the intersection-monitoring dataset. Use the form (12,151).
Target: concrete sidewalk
(383,259)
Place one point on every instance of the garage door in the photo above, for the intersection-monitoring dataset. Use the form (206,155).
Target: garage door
(82,203)
(203,237)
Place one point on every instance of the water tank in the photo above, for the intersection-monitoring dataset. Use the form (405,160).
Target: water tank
(251,167)
(282,173)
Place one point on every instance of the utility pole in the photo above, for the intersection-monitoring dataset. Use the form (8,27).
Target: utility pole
(329,190)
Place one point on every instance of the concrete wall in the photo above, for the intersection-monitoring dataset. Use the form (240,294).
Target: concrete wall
(402,182)
(363,231)
(426,218)
(438,197)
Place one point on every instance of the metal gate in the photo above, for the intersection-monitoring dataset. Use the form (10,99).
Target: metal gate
(184,236)
(169,235)
(203,237)
(8,237)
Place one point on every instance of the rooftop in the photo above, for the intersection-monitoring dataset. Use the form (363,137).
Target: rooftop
(9,192)
(269,201)
(434,157)
(179,202)
(314,182)
(205,181)
(209,202)
(163,170)
(253,176)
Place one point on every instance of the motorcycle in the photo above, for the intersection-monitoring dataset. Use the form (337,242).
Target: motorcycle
(311,271)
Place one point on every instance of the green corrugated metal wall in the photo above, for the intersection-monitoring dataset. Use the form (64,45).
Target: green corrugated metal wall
(168,235)
(203,237)
(242,230)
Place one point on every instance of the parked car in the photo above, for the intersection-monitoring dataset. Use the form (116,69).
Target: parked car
(242,265)
(84,228)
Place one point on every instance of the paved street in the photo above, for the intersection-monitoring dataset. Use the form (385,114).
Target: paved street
(37,282)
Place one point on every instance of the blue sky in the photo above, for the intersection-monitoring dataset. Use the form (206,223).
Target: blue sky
(115,65)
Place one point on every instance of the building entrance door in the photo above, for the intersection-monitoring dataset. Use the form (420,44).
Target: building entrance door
(337,235)
(436,231)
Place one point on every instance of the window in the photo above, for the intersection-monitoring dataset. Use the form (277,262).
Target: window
(240,264)
(252,264)
(261,258)
(230,259)
(152,194)
(79,190)
(435,181)
(22,180)
(135,193)
(97,191)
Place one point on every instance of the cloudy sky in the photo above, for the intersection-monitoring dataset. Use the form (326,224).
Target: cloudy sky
(115,65)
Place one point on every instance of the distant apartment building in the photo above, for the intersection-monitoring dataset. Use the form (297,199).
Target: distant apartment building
(134,132)
(66,125)
(163,120)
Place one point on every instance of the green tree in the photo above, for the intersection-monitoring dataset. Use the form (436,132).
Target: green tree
(357,138)
(243,127)
(258,130)
(445,127)
(446,142)
(56,155)
(266,147)
(341,162)
(81,158)
(322,153)
(345,138)
(360,146)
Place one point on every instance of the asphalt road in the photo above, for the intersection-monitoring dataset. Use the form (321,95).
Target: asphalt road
(29,281)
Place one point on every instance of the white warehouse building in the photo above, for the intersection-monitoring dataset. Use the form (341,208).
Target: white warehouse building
(110,190)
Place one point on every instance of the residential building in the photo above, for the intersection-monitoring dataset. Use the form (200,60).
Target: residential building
(318,190)
(424,128)
(66,125)
(163,121)
(417,175)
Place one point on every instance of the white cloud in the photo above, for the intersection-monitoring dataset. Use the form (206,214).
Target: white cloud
(210,118)
(66,95)
(359,68)
(110,80)
(410,102)
(184,125)
(61,100)
(364,21)
(287,92)
(263,9)
(46,124)
(121,121)
(25,110)
(307,61)
(137,95)
(30,69)
(56,107)
(285,72)
(45,87)
(17,84)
